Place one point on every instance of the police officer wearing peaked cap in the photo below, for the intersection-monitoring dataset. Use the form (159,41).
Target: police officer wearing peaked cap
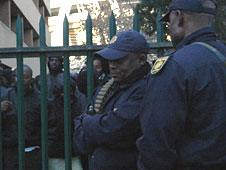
(183,119)
(109,136)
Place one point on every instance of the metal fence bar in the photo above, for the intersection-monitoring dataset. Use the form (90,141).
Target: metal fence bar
(89,41)
(20,93)
(136,20)
(159,28)
(112,26)
(44,116)
(72,50)
(43,51)
(67,103)
(78,50)
(1,139)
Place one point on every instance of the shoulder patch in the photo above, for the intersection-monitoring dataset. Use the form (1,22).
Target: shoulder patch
(158,65)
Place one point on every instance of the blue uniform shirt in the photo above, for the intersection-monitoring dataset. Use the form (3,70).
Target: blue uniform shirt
(110,136)
(184,115)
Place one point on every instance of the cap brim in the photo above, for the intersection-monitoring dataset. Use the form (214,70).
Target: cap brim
(111,54)
(165,17)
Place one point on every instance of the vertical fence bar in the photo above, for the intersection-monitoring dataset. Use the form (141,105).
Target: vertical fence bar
(89,59)
(44,116)
(112,26)
(67,105)
(160,35)
(136,20)
(20,93)
(1,144)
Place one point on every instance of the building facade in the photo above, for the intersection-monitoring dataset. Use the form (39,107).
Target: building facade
(77,11)
(30,11)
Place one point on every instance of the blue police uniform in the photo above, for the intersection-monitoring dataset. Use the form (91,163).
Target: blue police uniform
(109,136)
(183,118)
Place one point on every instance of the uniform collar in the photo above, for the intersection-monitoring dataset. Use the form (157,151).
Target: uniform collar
(136,75)
(202,35)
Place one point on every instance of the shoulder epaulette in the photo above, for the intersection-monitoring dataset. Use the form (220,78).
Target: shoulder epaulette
(158,65)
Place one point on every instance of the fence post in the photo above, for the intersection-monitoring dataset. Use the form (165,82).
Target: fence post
(1,144)
(112,26)
(89,41)
(67,105)
(136,20)
(159,28)
(44,116)
(20,93)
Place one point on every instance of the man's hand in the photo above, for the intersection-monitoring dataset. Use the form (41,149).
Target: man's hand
(6,105)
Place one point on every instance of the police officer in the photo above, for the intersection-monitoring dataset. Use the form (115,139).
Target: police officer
(183,118)
(109,135)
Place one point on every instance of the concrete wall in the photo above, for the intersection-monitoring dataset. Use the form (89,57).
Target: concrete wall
(47,5)
(30,11)
(8,39)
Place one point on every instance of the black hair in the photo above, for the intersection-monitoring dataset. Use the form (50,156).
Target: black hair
(61,66)
(104,63)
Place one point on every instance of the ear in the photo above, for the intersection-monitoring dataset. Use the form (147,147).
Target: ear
(142,58)
(180,15)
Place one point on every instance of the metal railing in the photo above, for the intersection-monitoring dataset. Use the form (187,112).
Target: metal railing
(42,52)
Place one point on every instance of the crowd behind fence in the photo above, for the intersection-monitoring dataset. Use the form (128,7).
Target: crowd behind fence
(43,52)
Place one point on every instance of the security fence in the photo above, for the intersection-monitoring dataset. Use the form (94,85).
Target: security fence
(43,51)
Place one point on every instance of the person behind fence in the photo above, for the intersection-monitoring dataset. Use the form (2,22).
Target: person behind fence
(6,76)
(101,69)
(183,119)
(82,81)
(55,66)
(32,124)
(110,127)
(100,74)
(3,92)
(4,82)
(56,149)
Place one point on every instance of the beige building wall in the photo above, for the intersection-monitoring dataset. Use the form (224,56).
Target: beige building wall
(30,11)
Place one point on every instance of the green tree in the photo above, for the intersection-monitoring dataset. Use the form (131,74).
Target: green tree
(148,10)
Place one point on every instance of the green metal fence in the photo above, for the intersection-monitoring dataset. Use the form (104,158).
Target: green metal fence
(42,52)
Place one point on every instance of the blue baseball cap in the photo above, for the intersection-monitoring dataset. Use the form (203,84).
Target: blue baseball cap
(124,43)
(189,5)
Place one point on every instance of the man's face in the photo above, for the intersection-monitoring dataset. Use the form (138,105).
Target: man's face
(97,66)
(54,63)
(120,69)
(27,77)
(3,81)
(175,27)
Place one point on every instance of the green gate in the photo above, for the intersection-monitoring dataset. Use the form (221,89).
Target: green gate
(42,52)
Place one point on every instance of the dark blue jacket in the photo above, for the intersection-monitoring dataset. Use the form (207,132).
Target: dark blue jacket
(110,137)
(184,114)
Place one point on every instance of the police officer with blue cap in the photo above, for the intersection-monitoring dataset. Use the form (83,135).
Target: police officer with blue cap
(109,136)
(183,119)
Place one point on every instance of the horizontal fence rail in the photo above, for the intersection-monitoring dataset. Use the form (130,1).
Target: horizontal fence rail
(78,50)
(43,52)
